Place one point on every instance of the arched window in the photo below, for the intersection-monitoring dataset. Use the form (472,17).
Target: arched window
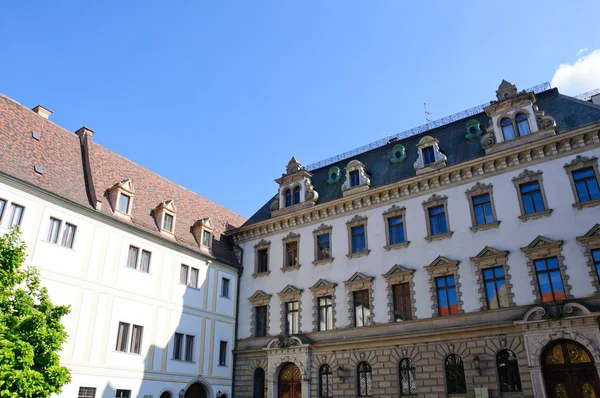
(508,371)
(455,375)
(508,131)
(365,380)
(288,197)
(325,381)
(522,124)
(259,383)
(166,394)
(408,377)
(297,194)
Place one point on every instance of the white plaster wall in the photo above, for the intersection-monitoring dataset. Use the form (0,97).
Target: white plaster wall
(223,332)
(92,278)
(565,223)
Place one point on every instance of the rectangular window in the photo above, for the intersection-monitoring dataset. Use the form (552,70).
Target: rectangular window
(354,178)
(495,288)
(482,207)
(16,215)
(223,353)
(136,339)
(362,307)
(122,337)
(132,257)
(263,260)
(124,203)
(168,223)
(2,206)
(596,257)
(225,287)
(68,235)
(291,258)
(123,394)
(292,317)
(324,252)
(184,274)
(325,313)
(145,261)
(206,238)
(261,320)
(586,184)
(86,392)
(194,278)
(428,155)
(178,346)
(549,280)
(53,230)
(402,304)
(532,197)
(189,348)
(446,294)
(437,220)
(396,230)
(359,243)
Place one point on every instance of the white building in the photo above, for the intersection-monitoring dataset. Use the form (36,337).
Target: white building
(420,267)
(142,262)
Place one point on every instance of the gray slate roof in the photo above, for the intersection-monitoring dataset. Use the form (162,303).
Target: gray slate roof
(569,113)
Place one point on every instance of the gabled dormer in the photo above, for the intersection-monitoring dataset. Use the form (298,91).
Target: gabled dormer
(164,214)
(203,233)
(357,179)
(295,190)
(430,157)
(515,120)
(120,196)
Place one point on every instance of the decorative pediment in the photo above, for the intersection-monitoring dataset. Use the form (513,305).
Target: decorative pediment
(506,90)
(289,289)
(322,228)
(594,232)
(259,295)
(441,262)
(489,252)
(542,242)
(398,270)
(479,188)
(394,210)
(435,200)
(293,166)
(357,219)
(262,243)
(358,277)
(124,185)
(291,236)
(526,176)
(323,284)
(168,205)
(205,223)
(581,161)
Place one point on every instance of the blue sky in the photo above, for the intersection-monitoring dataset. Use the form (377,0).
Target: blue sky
(218,96)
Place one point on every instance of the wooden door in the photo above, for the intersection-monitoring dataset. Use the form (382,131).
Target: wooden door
(569,371)
(290,382)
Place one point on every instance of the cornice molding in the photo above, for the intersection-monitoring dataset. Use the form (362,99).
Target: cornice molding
(550,148)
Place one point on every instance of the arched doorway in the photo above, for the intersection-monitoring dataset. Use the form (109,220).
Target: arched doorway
(290,382)
(569,371)
(196,390)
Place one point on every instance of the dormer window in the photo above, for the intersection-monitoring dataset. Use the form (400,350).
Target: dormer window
(357,179)
(164,214)
(124,203)
(203,232)
(288,197)
(428,155)
(168,223)
(295,190)
(508,132)
(354,178)
(296,194)
(121,197)
(522,124)
(206,238)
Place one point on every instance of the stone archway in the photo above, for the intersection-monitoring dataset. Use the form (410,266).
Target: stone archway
(289,384)
(196,390)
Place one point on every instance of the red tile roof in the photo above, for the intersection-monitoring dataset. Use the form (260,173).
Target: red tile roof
(59,154)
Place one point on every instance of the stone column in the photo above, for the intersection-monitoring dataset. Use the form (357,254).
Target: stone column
(539,390)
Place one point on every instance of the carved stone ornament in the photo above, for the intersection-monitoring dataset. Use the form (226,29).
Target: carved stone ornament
(274,204)
(311,195)
(335,175)
(262,242)
(488,140)
(527,176)
(291,236)
(580,161)
(473,128)
(293,166)
(322,228)
(435,200)
(479,188)
(506,90)
(356,219)
(394,209)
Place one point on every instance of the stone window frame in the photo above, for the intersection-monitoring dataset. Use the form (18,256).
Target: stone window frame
(359,281)
(357,221)
(364,178)
(396,275)
(258,299)
(491,258)
(440,159)
(290,238)
(477,190)
(262,244)
(392,212)
(290,294)
(322,288)
(126,188)
(323,230)
(439,267)
(591,241)
(435,201)
(541,248)
(525,177)
(579,163)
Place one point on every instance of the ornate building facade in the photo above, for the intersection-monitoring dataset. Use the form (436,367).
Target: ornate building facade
(142,262)
(463,261)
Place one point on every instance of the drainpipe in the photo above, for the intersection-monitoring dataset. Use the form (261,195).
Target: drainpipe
(237,311)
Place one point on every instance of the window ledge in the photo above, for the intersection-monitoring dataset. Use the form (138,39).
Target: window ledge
(183,361)
(324,261)
(357,188)
(439,236)
(359,254)
(396,246)
(440,164)
(483,227)
(290,268)
(534,216)
(261,274)
(58,245)
(589,203)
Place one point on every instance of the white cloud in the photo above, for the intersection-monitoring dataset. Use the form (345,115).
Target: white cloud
(581,51)
(577,78)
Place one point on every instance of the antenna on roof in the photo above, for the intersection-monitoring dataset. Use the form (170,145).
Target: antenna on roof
(427,116)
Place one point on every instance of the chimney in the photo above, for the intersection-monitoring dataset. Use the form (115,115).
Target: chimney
(43,112)
(85,135)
